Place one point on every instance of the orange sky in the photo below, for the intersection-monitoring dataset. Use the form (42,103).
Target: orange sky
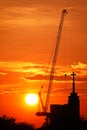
(28,32)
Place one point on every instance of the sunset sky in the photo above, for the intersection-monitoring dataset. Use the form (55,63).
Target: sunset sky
(28,34)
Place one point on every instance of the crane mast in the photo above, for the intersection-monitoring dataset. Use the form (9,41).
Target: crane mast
(55,59)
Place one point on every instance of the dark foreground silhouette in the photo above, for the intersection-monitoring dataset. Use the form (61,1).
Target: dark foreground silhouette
(9,123)
(77,125)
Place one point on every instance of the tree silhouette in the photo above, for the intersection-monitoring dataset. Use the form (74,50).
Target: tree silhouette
(7,123)
(24,126)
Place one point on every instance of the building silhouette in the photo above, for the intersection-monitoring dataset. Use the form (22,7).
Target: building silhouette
(66,114)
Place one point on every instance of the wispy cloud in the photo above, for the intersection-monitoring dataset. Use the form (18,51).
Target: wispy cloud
(18,16)
(79,65)
(23,76)
(38,71)
(3,73)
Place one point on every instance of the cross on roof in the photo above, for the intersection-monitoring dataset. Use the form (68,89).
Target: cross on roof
(73,84)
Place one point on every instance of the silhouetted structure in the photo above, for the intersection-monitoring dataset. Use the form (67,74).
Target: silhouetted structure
(9,123)
(67,114)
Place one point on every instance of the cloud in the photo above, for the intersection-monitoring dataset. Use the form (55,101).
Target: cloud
(30,12)
(3,73)
(21,77)
(14,89)
(18,16)
(79,65)
(81,70)
(26,70)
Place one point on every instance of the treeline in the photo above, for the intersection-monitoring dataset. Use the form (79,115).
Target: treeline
(8,123)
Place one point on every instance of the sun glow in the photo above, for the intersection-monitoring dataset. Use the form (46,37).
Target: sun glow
(31,99)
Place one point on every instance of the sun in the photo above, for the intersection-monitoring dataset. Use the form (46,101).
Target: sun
(31,99)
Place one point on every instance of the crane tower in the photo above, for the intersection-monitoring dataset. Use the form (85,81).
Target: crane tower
(55,59)
(45,111)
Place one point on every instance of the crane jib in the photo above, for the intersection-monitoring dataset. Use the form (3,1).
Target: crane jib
(45,107)
(55,59)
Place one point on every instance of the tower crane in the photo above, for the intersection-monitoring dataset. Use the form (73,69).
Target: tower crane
(45,107)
